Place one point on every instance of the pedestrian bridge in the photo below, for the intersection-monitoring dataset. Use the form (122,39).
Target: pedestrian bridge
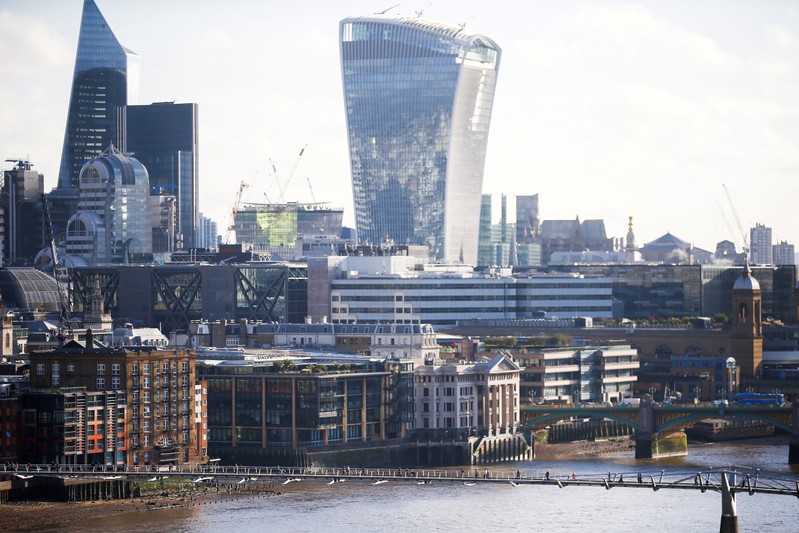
(728,482)
(651,420)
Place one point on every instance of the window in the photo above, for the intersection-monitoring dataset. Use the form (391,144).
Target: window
(101,369)
(115,384)
(115,369)
(70,367)
(145,368)
(146,383)
(40,369)
(134,369)
(100,383)
(185,366)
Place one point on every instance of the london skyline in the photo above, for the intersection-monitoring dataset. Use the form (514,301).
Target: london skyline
(605,111)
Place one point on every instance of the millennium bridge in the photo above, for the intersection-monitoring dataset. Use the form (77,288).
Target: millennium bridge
(656,424)
(728,482)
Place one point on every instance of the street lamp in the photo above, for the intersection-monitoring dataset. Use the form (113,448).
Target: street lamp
(731,385)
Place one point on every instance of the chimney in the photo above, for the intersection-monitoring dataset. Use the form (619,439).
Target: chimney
(89,338)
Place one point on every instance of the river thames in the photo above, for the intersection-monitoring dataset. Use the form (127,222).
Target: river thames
(448,506)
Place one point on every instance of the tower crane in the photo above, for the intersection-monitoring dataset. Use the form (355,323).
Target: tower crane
(61,276)
(233,210)
(737,221)
(313,196)
(282,188)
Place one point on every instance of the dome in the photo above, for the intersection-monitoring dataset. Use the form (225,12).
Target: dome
(112,166)
(746,282)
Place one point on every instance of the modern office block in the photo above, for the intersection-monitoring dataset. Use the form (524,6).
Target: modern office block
(418,97)
(163,136)
(760,245)
(112,224)
(106,77)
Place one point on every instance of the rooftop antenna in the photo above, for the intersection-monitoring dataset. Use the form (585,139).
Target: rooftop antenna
(421,11)
(386,10)
(462,25)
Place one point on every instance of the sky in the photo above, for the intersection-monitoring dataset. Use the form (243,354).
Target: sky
(605,109)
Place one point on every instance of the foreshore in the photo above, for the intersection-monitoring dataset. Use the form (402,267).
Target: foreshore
(23,514)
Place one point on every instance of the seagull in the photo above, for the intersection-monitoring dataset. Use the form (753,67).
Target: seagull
(200,479)
(291,480)
(155,478)
(514,484)
(113,477)
(21,476)
(469,483)
(242,481)
(380,482)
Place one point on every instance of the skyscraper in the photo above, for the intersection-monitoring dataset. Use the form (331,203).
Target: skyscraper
(106,77)
(163,137)
(113,223)
(418,97)
(760,245)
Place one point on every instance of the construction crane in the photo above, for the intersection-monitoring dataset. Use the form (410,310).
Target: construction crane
(737,221)
(233,210)
(61,276)
(313,196)
(282,188)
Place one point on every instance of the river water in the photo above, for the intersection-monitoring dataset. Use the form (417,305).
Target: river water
(446,506)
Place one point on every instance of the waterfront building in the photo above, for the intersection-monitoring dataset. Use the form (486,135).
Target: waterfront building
(164,137)
(106,77)
(275,228)
(261,406)
(112,224)
(576,374)
(23,229)
(670,249)
(459,400)
(73,425)
(154,387)
(417,147)
(760,245)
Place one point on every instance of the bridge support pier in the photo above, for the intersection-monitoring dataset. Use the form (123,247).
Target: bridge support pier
(729,512)
(655,445)
(793,451)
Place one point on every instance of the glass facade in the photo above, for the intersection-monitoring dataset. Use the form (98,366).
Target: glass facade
(106,77)
(418,98)
(163,136)
(112,224)
(272,227)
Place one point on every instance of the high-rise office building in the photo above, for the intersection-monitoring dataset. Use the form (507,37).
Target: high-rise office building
(760,245)
(528,225)
(163,137)
(112,224)
(784,254)
(106,77)
(21,204)
(418,98)
(207,235)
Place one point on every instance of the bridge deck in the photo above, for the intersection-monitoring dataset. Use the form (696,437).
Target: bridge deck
(751,482)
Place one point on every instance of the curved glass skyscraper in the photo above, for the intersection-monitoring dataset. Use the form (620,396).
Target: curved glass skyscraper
(418,98)
(106,78)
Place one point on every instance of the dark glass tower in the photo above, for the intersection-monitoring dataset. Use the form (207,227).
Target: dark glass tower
(163,136)
(418,99)
(106,77)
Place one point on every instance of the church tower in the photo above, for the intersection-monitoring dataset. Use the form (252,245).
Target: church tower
(747,326)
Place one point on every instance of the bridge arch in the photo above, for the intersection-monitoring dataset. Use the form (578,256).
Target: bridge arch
(537,417)
(684,418)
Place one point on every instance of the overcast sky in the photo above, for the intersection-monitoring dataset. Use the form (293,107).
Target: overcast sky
(605,109)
